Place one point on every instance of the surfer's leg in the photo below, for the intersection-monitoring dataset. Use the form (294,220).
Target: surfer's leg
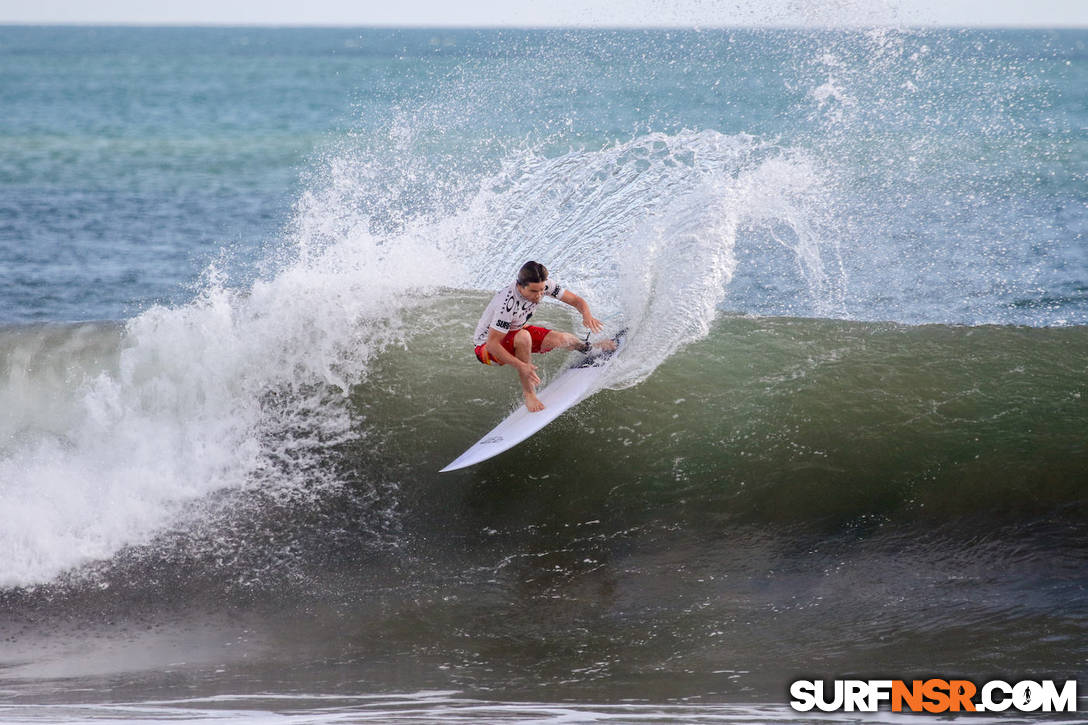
(567,341)
(523,345)
(561,340)
(523,349)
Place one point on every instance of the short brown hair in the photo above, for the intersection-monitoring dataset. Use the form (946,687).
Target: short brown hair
(532,272)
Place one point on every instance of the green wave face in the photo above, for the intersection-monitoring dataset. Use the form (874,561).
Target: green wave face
(784,420)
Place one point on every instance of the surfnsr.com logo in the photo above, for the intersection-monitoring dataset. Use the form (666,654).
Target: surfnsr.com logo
(933,696)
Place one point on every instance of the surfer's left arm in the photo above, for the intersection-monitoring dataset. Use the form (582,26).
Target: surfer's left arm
(591,322)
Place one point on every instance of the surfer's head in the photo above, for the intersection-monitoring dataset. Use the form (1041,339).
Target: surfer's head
(532,272)
(531,279)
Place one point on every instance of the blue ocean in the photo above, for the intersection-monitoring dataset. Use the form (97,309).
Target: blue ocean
(848,436)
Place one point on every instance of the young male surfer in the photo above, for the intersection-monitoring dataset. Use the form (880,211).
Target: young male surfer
(503,338)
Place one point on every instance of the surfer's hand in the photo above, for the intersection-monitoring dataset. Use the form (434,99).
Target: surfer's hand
(592,323)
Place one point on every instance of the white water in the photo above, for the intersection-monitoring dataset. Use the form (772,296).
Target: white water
(647,230)
(425,707)
(111,438)
(182,409)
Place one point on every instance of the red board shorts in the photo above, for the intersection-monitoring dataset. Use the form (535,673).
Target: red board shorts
(537,333)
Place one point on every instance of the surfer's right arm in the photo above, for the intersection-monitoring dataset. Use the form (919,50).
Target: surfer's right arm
(591,322)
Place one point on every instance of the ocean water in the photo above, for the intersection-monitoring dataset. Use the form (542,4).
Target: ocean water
(242,268)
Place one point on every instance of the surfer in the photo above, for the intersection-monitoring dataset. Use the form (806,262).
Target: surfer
(503,337)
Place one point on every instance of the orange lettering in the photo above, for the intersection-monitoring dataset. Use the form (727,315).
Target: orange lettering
(912,695)
(961,693)
(937,692)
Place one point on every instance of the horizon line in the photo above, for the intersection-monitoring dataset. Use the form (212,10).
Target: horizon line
(442,26)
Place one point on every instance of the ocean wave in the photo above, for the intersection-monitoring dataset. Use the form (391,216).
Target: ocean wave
(245,387)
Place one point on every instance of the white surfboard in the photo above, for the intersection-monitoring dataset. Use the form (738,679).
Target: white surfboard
(568,389)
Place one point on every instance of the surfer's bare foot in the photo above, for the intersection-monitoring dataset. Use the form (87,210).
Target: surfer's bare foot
(533,403)
(606,345)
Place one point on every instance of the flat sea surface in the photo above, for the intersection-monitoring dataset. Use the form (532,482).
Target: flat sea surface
(241,270)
